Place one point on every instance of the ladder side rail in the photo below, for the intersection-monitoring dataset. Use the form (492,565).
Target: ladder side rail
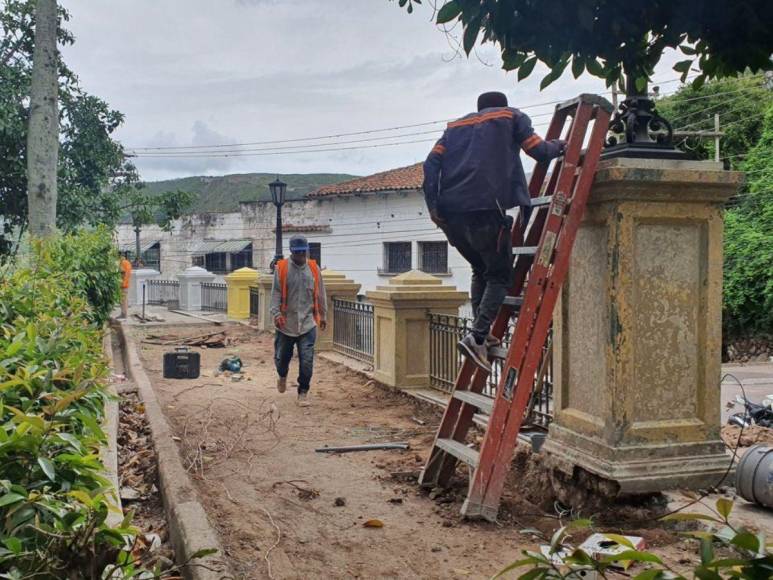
(555,281)
(541,169)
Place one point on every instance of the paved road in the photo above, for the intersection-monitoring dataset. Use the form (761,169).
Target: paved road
(756,378)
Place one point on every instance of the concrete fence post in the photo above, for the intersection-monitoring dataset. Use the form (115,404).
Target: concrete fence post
(190,287)
(401,326)
(136,283)
(265,283)
(238,283)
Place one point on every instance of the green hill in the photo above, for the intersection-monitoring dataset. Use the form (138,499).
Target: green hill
(224,192)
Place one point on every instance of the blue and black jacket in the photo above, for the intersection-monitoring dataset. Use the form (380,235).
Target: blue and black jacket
(476,166)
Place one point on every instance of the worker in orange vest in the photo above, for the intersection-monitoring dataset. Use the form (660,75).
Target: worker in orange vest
(298,307)
(126,275)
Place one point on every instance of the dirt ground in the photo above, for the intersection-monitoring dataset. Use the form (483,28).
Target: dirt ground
(285,511)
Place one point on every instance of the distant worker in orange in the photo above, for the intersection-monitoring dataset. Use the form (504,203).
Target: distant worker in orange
(126,275)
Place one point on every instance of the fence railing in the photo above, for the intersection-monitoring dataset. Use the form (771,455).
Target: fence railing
(163,293)
(254,301)
(445,362)
(214,296)
(353,329)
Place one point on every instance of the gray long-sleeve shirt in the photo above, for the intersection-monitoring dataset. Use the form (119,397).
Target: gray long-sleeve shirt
(300,299)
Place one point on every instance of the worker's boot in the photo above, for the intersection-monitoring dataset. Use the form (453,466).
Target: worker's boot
(303,400)
(492,341)
(477,352)
(281,384)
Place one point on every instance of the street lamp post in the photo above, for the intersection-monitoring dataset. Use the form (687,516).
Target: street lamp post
(278,189)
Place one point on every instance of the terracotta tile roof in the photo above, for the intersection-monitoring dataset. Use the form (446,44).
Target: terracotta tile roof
(403,178)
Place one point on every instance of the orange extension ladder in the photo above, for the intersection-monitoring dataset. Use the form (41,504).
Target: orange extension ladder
(541,251)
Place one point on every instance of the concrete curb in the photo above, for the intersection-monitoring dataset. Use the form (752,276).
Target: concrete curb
(189,528)
(109,453)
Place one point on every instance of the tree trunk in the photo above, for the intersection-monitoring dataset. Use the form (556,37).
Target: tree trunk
(43,133)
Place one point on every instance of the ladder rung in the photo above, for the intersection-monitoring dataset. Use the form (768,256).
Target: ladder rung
(541,200)
(482,402)
(513,301)
(525,251)
(497,352)
(459,450)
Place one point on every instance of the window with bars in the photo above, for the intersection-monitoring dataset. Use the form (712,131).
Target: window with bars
(198,261)
(242,259)
(397,257)
(215,263)
(315,252)
(433,257)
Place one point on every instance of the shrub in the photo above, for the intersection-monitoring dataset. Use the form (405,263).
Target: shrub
(54,500)
(748,291)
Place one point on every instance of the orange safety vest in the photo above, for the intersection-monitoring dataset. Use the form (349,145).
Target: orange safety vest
(126,273)
(281,269)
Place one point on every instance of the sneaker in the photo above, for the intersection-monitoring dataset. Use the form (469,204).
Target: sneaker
(303,400)
(492,341)
(281,384)
(477,352)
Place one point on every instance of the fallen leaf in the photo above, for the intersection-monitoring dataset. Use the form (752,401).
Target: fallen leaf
(373,524)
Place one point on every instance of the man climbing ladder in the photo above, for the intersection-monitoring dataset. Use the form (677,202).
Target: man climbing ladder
(471,176)
(540,255)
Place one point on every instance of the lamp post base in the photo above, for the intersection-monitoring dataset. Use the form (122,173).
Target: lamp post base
(643,151)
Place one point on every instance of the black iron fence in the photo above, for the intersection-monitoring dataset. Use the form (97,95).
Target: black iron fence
(445,362)
(254,301)
(163,292)
(214,296)
(353,329)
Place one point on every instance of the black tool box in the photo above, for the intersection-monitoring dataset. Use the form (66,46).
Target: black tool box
(182,364)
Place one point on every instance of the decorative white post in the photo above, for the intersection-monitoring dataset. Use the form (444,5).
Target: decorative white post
(190,287)
(138,279)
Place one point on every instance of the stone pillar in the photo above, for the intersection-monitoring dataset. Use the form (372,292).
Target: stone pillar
(137,281)
(265,283)
(401,326)
(239,283)
(638,329)
(190,286)
(337,285)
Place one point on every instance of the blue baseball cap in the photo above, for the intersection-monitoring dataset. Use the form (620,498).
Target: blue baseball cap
(299,244)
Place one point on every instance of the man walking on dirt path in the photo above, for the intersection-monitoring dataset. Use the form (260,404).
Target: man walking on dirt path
(471,176)
(126,275)
(298,307)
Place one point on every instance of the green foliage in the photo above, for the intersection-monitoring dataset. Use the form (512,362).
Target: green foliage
(223,193)
(92,165)
(145,208)
(744,555)
(91,261)
(54,500)
(748,283)
(719,37)
(740,103)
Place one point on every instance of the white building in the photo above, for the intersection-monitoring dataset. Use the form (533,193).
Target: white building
(369,228)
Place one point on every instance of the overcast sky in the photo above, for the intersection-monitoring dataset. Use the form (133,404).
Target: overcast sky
(204,72)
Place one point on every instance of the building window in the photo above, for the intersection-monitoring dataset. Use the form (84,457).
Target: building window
(215,263)
(150,254)
(397,257)
(433,257)
(224,262)
(242,259)
(315,252)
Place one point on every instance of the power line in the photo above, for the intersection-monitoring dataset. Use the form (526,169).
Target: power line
(354,133)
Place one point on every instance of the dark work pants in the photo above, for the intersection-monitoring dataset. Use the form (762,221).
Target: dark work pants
(283,354)
(483,239)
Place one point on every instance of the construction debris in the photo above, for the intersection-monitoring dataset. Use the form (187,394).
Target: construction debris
(600,546)
(369,447)
(210,340)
